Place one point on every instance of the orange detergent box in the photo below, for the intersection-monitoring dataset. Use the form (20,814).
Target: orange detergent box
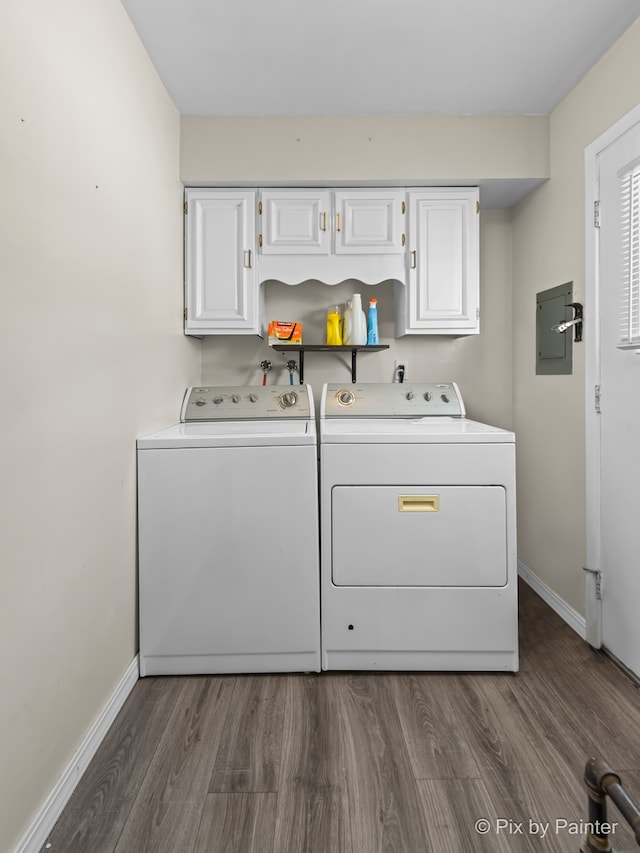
(281,332)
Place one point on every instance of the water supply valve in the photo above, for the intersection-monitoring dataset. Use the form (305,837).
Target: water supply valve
(291,367)
(265,366)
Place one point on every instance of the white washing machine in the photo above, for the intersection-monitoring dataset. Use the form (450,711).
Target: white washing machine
(418,532)
(228,535)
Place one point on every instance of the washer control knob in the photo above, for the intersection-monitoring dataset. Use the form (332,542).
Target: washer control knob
(201,402)
(288,399)
(409,395)
(253,398)
(235,398)
(218,399)
(445,398)
(346,398)
(427,396)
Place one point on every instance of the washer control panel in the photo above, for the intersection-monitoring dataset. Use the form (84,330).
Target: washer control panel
(397,400)
(242,402)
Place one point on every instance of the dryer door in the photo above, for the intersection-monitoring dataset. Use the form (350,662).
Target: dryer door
(445,536)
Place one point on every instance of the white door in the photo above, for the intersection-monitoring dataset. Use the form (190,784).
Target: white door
(369,222)
(372,525)
(221,292)
(619,331)
(442,296)
(296,222)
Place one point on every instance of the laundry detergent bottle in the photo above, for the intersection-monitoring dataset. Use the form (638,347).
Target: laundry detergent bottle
(358,321)
(372,323)
(334,326)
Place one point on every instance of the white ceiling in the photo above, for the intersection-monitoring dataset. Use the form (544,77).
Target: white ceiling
(375,57)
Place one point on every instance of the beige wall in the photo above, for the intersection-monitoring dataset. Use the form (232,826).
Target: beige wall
(374,149)
(549,249)
(92,356)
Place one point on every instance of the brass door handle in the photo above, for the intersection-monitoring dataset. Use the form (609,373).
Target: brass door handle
(338,221)
(324,220)
(247,258)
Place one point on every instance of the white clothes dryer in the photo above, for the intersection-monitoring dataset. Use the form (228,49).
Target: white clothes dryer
(228,535)
(418,532)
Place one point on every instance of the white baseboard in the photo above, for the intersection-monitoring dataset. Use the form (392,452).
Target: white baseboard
(564,610)
(41,826)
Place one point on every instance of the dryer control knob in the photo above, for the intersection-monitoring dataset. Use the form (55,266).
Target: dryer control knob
(218,399)
(288,399)
(409,395)
(235,398)
(253,398)
(201,402)
(346,398)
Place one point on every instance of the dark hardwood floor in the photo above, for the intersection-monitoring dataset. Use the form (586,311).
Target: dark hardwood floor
(364,762)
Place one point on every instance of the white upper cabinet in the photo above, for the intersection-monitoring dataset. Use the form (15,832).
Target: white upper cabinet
(369,222)
(296,222)
(426,240)
(332,235)
(441,295)
(323,222)
(221,287)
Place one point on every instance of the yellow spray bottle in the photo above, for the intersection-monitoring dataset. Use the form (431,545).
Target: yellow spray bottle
(334,326)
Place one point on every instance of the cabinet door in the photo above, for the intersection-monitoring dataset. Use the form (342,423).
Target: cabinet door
(221,292)
(442,295)
(296,222)
(369,222)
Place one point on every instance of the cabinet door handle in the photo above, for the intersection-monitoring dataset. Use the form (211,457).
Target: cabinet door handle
(413,259)
(324,220)
(338,220)
(247,258)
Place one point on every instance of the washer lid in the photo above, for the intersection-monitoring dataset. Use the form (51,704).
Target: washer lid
(411,431)
(269,433)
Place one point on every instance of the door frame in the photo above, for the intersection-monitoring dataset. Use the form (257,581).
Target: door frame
(593,633)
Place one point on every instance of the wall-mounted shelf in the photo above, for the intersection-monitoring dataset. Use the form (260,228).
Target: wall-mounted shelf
(353,349)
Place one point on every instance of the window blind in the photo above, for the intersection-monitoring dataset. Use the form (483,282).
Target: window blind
(629,328)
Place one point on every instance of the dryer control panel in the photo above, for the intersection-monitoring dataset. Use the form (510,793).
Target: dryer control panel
(397,400)
(246,402)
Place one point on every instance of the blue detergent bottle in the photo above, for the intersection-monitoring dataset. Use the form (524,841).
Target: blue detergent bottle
(372,322)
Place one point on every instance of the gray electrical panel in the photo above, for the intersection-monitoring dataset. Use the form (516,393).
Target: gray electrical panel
(554,348)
